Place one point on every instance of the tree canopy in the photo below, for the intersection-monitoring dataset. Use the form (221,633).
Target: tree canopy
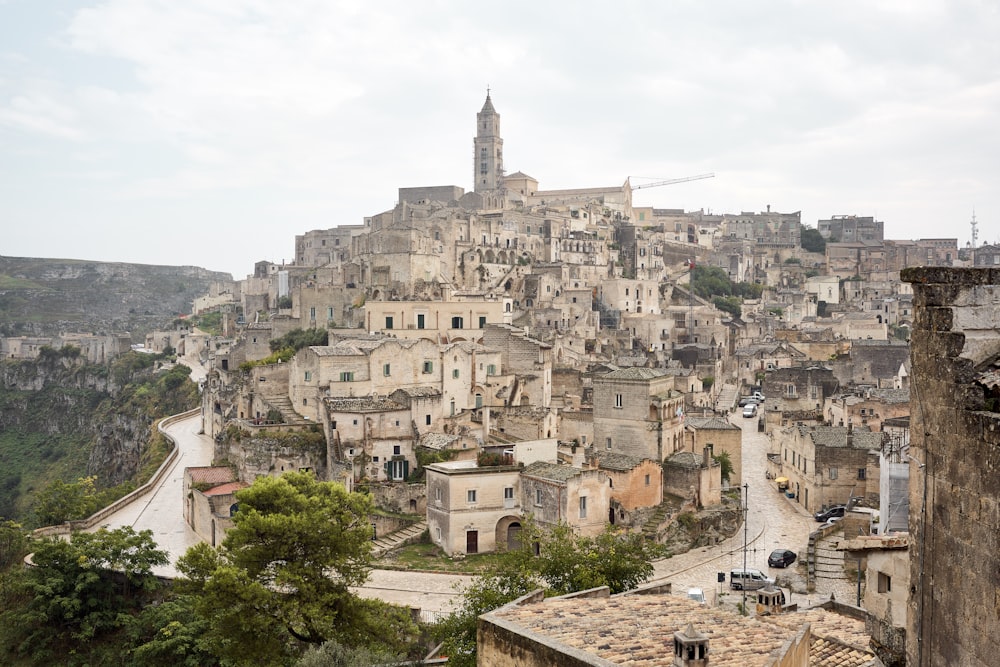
(812,240)
(711,281)
(281,579)
(76,593)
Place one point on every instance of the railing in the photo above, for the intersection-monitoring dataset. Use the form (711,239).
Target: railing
(101,514)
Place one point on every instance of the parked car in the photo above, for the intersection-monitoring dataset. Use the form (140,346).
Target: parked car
(697,595)
(757,396)
(750,410)
(781,558)
(747,400)
(827,514)
(749,580)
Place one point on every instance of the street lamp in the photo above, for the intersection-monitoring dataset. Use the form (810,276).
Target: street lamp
(746,516)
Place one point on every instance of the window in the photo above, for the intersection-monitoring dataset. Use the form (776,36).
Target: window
(884,583)
(312,313)
(583,507)
(470,495)
(420,320)
(355,422)
(833,473)
(454,374)
(428,367)
(607,443)
(457,323)
(374,459)
(538,497)
(508,496)
(305,401)
(388,321)
(862,474)
(387,370)
(618,400)
(437,494)
(396,470)
(491,369)
(438,530)
(482,321)
(395,450)
(427,419)
(347,376)
(647,480)
(309,376)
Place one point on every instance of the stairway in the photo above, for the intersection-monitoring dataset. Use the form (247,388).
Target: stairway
(727,398)
(663,510)
(283,404)
(399,538)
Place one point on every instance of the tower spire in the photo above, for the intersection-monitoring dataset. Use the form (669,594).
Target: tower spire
(488,149)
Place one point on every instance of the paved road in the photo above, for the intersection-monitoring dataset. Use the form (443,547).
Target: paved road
(773,522)
(161,510)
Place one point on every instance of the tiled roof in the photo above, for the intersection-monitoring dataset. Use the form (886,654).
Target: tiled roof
(364,404)
(837,639)
(635,374)
(211,474)
(713,423)
(684,459)
(836,436)
(638,630)
(616,461)
(552,471)
(437,440)
(420,392)
(223,489)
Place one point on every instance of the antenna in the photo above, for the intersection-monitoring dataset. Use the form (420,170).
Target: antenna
(975,231)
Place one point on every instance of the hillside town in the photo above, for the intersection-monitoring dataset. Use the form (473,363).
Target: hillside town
(509,351)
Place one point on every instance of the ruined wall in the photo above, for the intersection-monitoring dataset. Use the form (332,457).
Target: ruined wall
(955,450)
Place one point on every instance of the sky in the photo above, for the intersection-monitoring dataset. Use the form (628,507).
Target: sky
(186,132)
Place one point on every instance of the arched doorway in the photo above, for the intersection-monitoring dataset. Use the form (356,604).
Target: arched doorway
(508,533)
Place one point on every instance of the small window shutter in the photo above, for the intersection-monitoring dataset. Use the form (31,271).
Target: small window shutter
(388,469)
(406,470)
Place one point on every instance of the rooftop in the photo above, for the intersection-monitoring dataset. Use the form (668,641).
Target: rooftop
(552,471)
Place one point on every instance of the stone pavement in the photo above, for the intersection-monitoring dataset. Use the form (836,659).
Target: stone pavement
(773,522)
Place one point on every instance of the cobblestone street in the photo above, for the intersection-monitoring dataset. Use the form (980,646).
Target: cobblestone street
(774,522)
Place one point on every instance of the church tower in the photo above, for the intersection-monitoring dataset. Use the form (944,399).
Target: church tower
(488,158)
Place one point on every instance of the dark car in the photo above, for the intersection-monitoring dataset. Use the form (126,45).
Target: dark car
(781,558)
(826,515)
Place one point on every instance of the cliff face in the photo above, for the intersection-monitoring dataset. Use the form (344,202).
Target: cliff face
(51,296)
(66,419)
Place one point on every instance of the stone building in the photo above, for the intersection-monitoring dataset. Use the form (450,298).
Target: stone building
(829,465)
(210,501)
(694,477)
(722,436)
(635,484)
(555,493)
(954,455)
(638,412)
(472,508)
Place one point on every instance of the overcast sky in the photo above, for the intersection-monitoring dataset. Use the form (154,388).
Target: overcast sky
(211,133)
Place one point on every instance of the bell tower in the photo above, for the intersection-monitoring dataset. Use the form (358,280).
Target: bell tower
(488,149)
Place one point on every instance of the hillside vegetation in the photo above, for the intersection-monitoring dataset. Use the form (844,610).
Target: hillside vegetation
(63,420)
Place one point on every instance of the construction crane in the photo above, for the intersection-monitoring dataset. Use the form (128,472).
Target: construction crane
(656,184)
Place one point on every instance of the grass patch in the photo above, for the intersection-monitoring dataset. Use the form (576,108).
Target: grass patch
(429,557)
(13,282)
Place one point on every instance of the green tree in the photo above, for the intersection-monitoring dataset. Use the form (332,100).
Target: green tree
(726,463)
(76,593)
(65,501)
(810,239)
(281,579)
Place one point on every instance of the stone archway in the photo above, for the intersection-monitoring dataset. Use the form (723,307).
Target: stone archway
(508,533)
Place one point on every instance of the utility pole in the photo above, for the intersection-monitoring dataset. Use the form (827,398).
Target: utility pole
(746,517)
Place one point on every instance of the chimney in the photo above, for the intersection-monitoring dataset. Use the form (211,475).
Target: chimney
(690,648)
(706,455)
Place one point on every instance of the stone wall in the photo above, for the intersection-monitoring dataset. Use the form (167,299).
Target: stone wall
(954,456)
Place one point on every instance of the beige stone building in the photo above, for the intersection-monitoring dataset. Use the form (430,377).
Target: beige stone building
(638,412)
(635,484)
(828,465)
(454,320)
(209,501)
(719,434)
(555,493)
(471,508)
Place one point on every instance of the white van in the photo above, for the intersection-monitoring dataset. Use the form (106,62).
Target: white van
(749,580)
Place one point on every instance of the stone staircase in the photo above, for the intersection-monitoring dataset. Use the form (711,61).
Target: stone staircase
(727,398)
(399,538)
(283,404)
(651,525)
